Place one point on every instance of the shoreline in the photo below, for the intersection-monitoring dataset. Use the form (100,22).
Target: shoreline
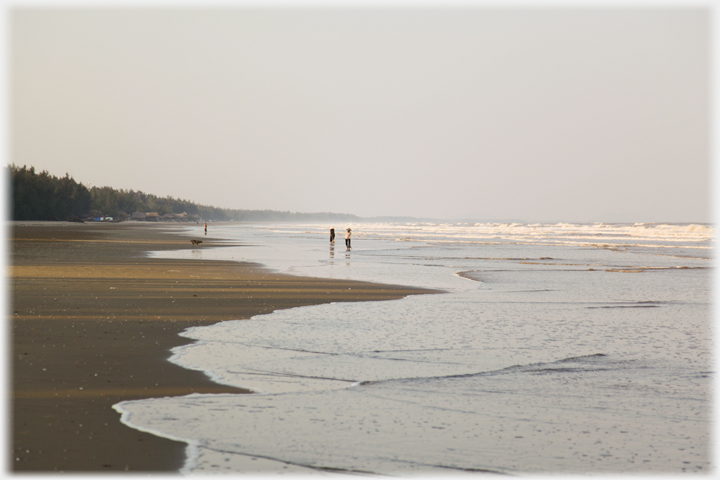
(92,323)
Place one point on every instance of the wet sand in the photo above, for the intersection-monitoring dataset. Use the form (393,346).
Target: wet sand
(92,324)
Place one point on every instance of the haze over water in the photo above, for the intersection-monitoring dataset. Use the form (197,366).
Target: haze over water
(556,348)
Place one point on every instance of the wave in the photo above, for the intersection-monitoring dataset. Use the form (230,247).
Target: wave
(647,235)
(590,362)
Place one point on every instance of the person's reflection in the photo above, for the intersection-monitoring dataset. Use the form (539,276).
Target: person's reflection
(332,250)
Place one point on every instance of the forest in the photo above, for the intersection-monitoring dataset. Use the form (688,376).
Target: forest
(42,196)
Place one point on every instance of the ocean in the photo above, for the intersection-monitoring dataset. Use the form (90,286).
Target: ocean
(555,348)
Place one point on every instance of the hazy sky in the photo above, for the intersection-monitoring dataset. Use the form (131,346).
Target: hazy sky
(549,114)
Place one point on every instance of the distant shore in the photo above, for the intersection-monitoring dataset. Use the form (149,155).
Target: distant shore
(92,323)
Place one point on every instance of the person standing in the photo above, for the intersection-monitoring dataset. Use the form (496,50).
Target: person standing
(348,233)
(332,235)
(206,229)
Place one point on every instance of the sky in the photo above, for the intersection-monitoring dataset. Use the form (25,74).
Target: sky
(471,111)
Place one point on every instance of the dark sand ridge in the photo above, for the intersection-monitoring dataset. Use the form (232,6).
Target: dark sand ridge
(93,321)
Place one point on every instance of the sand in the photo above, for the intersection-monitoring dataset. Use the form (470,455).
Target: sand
(93,320)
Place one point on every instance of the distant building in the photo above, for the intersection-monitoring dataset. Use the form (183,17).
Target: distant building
(171,217)
(140,216)
(152,217)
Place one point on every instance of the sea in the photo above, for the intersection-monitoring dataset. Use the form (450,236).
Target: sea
(553,348)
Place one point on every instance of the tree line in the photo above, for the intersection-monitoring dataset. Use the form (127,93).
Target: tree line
(42,196)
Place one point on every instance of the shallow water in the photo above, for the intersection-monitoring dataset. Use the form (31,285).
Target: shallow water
(557,348)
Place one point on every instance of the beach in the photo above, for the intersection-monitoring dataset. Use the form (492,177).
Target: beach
(555,348)
(93,322)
